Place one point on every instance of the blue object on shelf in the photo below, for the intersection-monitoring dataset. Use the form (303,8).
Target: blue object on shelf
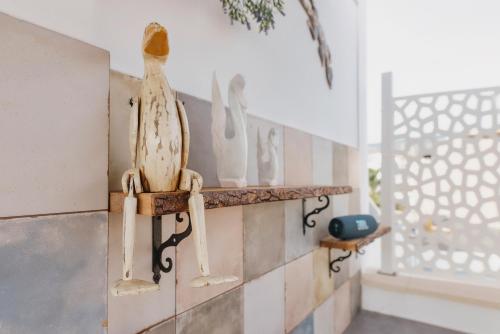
(352,227)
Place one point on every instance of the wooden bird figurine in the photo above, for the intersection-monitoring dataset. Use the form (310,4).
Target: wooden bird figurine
(229,134)
(159,147)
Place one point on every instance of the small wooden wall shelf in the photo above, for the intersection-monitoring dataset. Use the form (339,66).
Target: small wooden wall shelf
(350,246)
(355,244)
(158,204)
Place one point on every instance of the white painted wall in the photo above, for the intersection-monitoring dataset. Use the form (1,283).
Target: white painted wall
(285,82)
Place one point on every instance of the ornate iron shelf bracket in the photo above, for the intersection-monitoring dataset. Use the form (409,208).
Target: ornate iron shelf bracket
(159,247)
(305,217)
(336,268)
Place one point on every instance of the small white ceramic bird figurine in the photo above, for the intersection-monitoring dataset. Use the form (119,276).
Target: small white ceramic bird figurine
(268,168)
(229,134)
(159,147)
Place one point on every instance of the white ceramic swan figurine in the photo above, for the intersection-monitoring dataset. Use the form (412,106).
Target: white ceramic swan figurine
(229,134)
(268,169)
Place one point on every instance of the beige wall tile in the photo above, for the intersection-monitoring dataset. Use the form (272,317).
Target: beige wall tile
(354,171)
(297,157)
(355,263)
(220,315)
(154,306)
(264,238)
(53,274)
(264,300)
(340,165)
(340,205)
(324,317)
(225,253)
(299,290)
(54,133)
(342,308)
(323,218)
(258,125)
(343,275)
(322,161)
(354,202)
(323,281)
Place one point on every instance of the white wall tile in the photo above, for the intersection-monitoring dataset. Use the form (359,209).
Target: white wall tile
(264,300)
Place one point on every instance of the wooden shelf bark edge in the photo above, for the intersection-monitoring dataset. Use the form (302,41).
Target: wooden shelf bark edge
(158,204)
(355,244)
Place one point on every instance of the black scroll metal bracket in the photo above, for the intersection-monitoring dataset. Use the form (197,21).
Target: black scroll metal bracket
(335,267)
(305,217)
(159,247)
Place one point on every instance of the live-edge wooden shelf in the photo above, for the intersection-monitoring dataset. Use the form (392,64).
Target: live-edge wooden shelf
(355,244)
(164,203)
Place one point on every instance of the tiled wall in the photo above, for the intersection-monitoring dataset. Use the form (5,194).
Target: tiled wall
(60,251)
(53,183)
(284,282)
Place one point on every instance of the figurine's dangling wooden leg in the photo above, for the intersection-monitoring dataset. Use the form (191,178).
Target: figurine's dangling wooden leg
(192,182)
(127,285)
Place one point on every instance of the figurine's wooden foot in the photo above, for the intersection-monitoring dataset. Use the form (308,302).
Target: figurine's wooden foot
(133,287)
(203,281)
(233,183)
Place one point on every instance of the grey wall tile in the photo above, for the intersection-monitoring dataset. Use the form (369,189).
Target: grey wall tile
(324,317)
(258,125)
(355,294)
(322,157)
(53,277)
(155,306)
(305,327)
(220,315)
(121,88)
(340,165)
(297,157)
(264,238)
(165,327)
(54,133)
(342,308)
(264,300)
(296,243)
(201,154)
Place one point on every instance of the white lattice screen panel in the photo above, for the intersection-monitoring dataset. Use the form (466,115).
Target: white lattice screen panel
(446,183)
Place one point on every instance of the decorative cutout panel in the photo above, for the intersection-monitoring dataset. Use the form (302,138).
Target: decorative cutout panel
(446,183)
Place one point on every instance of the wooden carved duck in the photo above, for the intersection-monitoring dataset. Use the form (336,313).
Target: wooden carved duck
(159,147)
(229,134)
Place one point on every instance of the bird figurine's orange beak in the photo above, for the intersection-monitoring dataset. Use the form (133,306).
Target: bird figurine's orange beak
(155,42)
